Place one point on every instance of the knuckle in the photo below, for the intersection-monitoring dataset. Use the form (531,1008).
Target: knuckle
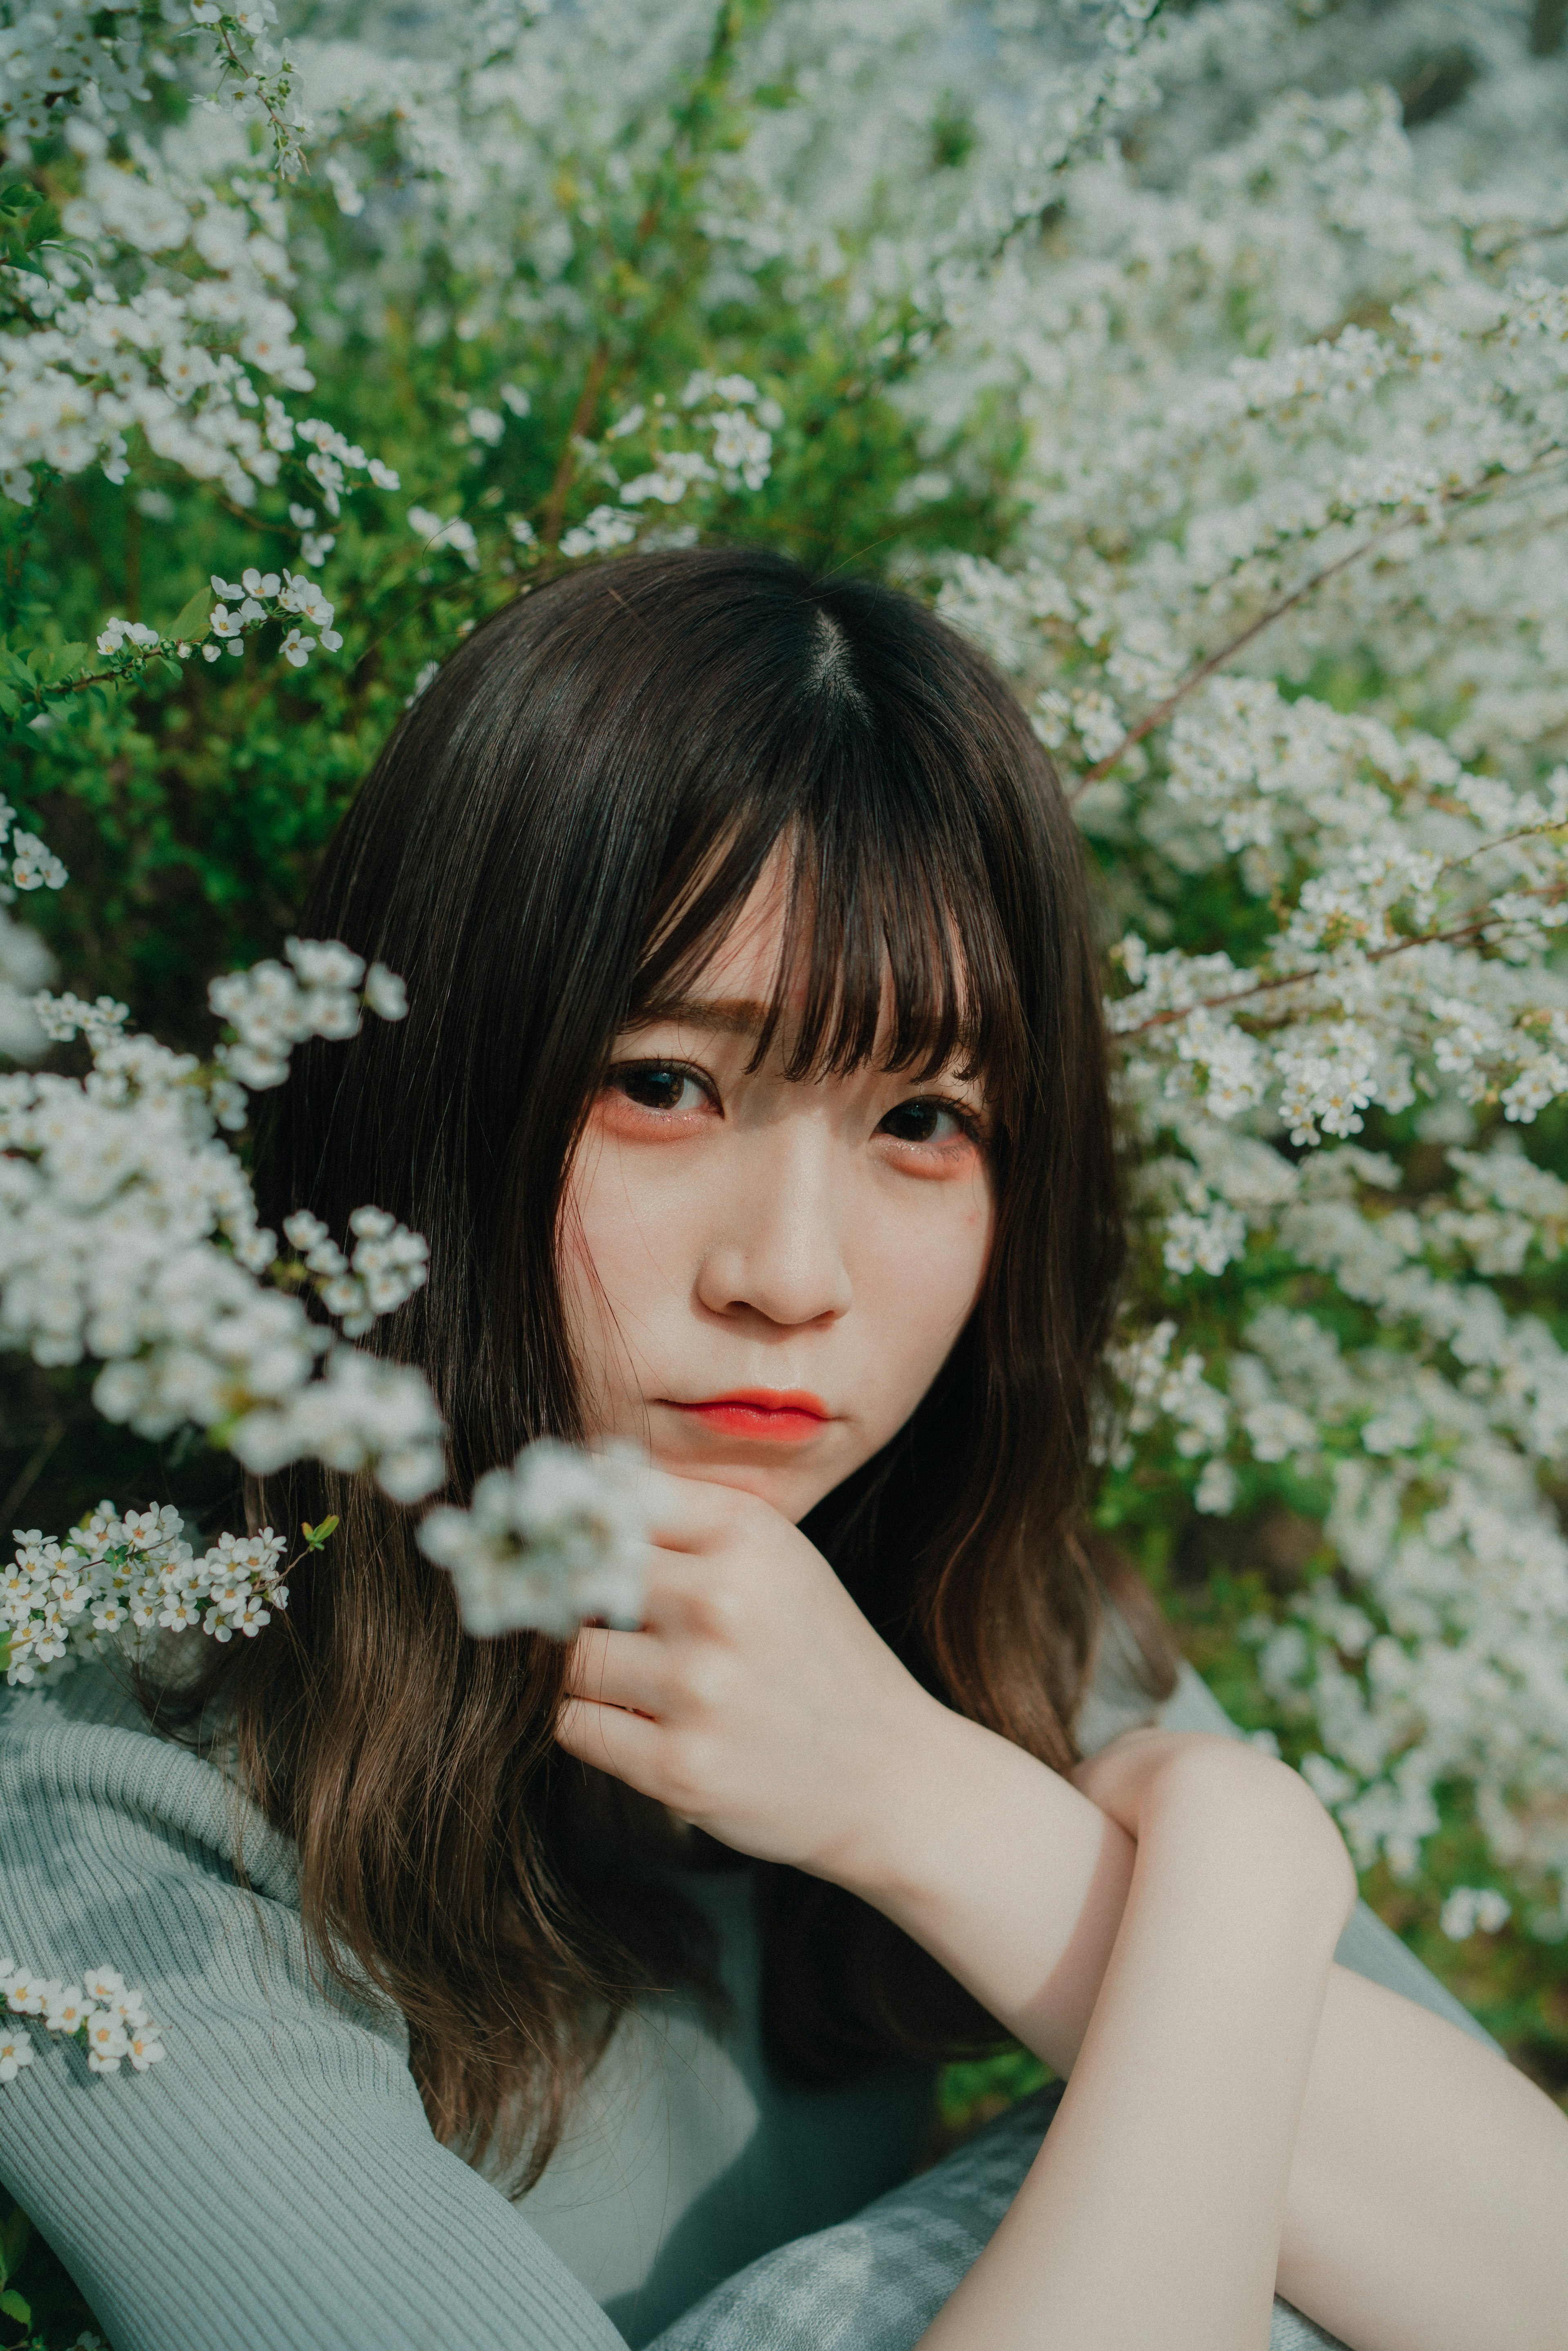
(688,1760)
(707,1681)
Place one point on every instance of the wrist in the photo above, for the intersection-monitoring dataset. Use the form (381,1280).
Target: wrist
(905,1779)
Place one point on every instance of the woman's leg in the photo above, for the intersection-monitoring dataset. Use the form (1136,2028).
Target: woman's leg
(875,2282)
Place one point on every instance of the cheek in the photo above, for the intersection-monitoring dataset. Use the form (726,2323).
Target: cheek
(923,1267)
(626,1233)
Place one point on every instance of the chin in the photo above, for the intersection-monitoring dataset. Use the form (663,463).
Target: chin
(770,1482)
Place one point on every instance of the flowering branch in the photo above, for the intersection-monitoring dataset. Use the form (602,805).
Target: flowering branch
(1469,494)
(101,2016)
(1226,652)
(1475,928)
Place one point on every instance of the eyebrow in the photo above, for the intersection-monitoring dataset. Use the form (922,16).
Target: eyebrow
(727,1016)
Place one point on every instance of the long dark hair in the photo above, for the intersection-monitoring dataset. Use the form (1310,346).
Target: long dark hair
(559,833)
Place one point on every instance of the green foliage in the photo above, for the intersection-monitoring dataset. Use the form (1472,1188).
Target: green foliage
(191,800)
(50,2314)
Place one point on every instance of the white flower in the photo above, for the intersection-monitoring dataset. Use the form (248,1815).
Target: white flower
(107,2042)
(385,993)
(602,530)
(1469,1909)
(143,2046)
(67,2008)
(560,1536)
(1216,1491)
(297,649)
(25,1993)
(454,533)
(15,2050)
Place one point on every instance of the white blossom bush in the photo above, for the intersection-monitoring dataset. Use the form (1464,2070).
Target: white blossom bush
(1213,389)
(1288,621)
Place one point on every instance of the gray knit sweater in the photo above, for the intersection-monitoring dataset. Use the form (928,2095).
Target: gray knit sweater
(275,2182)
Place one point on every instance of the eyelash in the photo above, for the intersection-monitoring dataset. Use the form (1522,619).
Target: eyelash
(968,1121)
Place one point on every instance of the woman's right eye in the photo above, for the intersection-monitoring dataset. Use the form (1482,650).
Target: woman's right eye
(660,1086)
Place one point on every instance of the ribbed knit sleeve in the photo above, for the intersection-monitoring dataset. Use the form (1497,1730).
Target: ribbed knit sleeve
(273,2184)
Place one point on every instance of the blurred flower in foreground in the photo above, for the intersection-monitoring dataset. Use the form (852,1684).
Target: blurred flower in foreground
(558,1536)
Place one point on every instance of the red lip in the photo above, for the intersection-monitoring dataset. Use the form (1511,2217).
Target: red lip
(782,1416)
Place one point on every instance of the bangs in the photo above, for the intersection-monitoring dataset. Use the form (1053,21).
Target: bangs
(891,948)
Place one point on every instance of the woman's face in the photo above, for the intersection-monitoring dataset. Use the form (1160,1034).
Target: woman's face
(763,1277)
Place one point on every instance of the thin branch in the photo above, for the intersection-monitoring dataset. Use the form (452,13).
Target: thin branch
(1467,930)
(1195,677)
(1478,492)
(27,1477)
(566,467)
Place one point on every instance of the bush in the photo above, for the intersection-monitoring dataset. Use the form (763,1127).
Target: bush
(1211,369)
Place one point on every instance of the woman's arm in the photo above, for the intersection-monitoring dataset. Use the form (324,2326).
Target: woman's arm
(759,1704)
(1157,2200)
(274,2181)
(1428,2192)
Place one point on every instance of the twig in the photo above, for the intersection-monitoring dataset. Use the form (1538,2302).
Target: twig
(1294,978)
(566,467)
(1157,717)
(1195,677)
(26,1477)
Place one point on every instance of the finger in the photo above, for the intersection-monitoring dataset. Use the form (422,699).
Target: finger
(689,1592)
(627,1669)
(624,1745)
(689,1514)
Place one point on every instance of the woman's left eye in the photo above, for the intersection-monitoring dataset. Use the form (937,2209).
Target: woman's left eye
(928,1120)
(659,1086)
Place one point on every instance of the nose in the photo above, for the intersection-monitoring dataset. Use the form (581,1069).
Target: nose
(776,1251)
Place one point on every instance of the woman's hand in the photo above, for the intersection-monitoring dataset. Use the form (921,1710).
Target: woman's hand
(756,1701)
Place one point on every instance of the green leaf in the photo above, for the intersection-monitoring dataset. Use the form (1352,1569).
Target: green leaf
(190,622)
(16,2307)
(16,2232)
(315,1538)
(55,663)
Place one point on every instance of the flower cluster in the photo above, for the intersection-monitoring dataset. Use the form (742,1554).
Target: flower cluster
(105,2018)
(320,991)
(117,1580)
(558,1536)
(389,1263)
(1227,400)
(730,408)
(155,320)
(25,862)
(129,1233)
(288,597)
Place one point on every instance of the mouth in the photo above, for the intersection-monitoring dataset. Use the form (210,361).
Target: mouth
(778,1416)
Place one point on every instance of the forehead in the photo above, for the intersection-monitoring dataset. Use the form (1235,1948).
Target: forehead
(778,975)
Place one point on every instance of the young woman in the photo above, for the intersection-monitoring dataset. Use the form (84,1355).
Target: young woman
(753,1099)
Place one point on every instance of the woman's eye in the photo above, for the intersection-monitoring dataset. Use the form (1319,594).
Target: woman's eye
(659,1085)
(925,1121)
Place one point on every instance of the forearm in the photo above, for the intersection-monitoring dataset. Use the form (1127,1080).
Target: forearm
(1429,2199)
(1424,2205)
(1004,1873)
(1157,2200)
